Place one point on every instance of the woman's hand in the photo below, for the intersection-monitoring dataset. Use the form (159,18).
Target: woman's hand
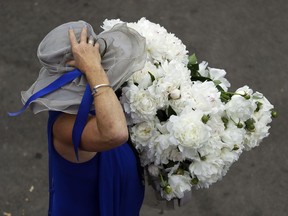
(108,128)
(86,56)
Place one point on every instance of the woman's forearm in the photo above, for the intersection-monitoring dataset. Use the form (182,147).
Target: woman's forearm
(111,121)
(110,129)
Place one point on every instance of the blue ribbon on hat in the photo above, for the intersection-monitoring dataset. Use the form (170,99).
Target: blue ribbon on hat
(83,111)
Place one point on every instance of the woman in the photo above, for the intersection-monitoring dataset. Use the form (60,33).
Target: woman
(97,174)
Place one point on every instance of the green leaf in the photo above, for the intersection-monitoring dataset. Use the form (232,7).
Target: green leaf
(225,96)
(194,69)
(219,88)
(179,171)
(157,64)
(162,116)
(200,78)
(194,181)
(205,118)
(168,189)
(236,147)
(192,59)
(171,111)
(152,76)
(203,158)
(256,97)
(217,82)
(225,121)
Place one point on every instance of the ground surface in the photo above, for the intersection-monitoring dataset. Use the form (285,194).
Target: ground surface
(246,38)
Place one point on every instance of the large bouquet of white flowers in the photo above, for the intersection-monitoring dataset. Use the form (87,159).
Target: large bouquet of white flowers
(186,125)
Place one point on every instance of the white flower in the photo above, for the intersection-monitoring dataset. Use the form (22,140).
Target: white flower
(206,97)
(164,149)
(233,136)
(176,155)
(207,171)
(153,170)
(262,117)
(218,75)
(197,132)
(147,156)
(229,156)
(265,107)
(179,184)
(161,45)
(252,139)
(244,90)
(239,108)
(108,24)
(140,104)
(172,75)
(188,130)
(143,78)
(217,127)
(142,133)
(186,99)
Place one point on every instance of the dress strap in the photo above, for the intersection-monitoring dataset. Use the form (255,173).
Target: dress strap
(81,118)
(52,117)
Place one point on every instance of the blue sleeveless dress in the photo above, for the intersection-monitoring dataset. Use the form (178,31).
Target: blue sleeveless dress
(109,184)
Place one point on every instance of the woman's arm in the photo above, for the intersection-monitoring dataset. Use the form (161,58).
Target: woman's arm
(108,128)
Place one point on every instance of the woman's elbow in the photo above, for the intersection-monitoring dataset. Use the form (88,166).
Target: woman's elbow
(120,137)
(116,137)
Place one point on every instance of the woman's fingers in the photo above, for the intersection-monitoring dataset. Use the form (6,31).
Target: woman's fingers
(72,37)
(83,37)
(71,63)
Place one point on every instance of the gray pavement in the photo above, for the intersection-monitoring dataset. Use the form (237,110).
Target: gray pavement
(248,38)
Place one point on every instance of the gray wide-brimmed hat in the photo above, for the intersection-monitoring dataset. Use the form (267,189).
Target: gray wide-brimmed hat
(124,52)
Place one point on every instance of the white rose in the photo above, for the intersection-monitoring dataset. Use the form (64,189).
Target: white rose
(262,117)
(108,24)
(229,156)
(244,90)
(240,108)
(163,149)
(161,45)
(141,104)
(253,139)
(207,171)
(203,69)
(218,75)
(265,107)
(141,133)
(186,99)
(141,79)
(147,156)
(206,97)
(188,129)
(176,155)
(179,184)
(233,136)
(153,170)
